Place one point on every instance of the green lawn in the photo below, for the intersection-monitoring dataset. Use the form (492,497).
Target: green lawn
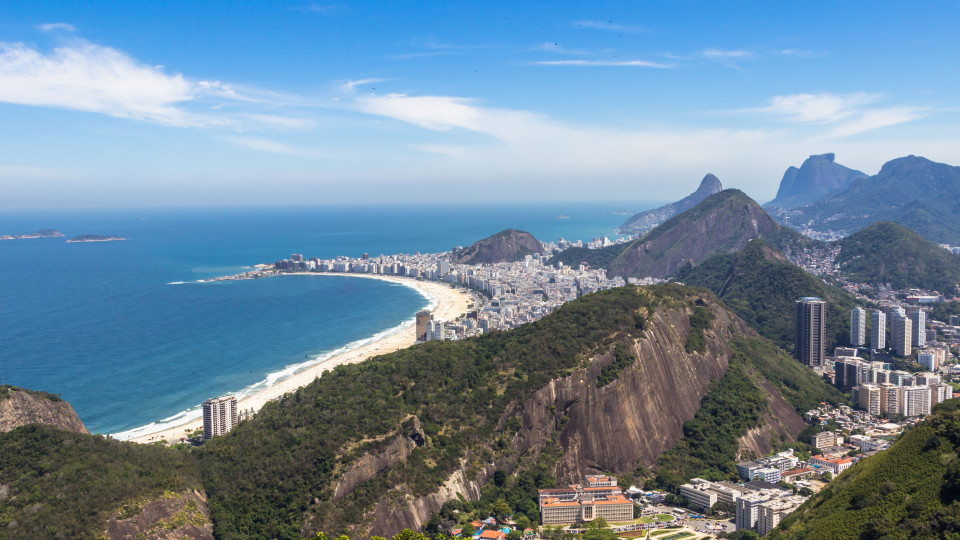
(664,517)
(677,536)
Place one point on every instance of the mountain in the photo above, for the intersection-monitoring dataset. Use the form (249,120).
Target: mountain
(19,407)
(595,258)
(722,223)
(62,484)
(619,381)
(640,223)
(911,490)
(761,286)
(506,246)
(817,177)
(886,252)
(912,191)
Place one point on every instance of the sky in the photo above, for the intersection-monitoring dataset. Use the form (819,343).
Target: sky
(135,104)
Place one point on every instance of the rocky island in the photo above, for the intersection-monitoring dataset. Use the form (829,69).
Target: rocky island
(42,233)
(94,238)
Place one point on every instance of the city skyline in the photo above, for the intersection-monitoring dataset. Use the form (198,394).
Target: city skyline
(303,103)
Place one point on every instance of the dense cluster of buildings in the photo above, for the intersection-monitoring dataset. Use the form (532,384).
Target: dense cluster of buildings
(759,505)
(512,293)
(599,497)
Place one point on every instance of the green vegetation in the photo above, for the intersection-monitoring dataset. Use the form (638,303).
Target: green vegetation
(943,310)
(6,391)
(262,477)
(699,321)
(506,246)
(762,287)
(722,223)
(912,191)
(886,252)
(911,490)
(622,359)
(595,258)
(734,405)
(65,485)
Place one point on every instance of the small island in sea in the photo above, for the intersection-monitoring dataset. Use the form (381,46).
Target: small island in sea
(95,238)
(42,233)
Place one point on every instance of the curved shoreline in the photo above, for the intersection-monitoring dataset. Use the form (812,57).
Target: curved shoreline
(447,303)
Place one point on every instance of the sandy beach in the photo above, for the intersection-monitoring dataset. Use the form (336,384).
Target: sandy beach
(449,303)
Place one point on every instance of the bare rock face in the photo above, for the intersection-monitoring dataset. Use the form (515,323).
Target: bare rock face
(19,407)
(609,429)
(173,515)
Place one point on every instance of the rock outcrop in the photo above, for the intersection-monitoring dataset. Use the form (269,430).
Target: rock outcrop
(607,429)
(172,516)
(642,222)
(816,178)
(506,246)
(19,407)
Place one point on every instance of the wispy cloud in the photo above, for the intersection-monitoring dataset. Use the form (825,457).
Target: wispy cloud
(283,122)
(609,63)
(553,47)
(266,145)
(351,86)
(801,53)
(92,78)
(607,25)
(55,27)
(850,114)
(442,149)
(724,54)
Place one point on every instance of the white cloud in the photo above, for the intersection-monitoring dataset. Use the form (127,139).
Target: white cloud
(282,122)
(438,113)
(609,25)
(721,54)
(801,53)
(88,77)
(818,108)
(850,113)
(442,149)
(53,27)
(266,145)
(553,47)
(350,86)
(610,63)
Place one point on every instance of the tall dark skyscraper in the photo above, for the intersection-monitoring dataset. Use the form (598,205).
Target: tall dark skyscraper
(808,345)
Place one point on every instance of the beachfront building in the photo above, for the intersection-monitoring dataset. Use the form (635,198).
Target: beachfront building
(219,416)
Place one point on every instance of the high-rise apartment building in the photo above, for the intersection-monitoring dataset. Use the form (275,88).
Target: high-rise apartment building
(901,335)
(878,330)
(858,327)
(918,319)
(423,319)
(219,416)
(808,345)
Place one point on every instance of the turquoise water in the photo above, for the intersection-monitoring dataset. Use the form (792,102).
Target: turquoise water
(105,326)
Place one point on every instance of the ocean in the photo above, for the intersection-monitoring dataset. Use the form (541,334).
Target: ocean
(123,332)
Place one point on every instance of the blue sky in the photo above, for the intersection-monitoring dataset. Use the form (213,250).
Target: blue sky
(223,103)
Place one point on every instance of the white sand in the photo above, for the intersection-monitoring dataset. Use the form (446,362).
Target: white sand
(450,304)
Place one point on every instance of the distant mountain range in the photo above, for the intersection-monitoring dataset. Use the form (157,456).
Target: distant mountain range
(912,191)
(644,221)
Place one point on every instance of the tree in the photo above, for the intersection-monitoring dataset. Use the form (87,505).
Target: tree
(468,531)
(826,477)
(501,509)
(514,535)
(499,478)
(599,523)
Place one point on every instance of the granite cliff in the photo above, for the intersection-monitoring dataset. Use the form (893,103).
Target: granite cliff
(817,177)
(19,407)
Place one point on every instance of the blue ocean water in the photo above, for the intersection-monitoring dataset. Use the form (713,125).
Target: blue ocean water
(105,326)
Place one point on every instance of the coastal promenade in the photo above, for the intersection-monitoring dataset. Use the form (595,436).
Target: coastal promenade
(448,302)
